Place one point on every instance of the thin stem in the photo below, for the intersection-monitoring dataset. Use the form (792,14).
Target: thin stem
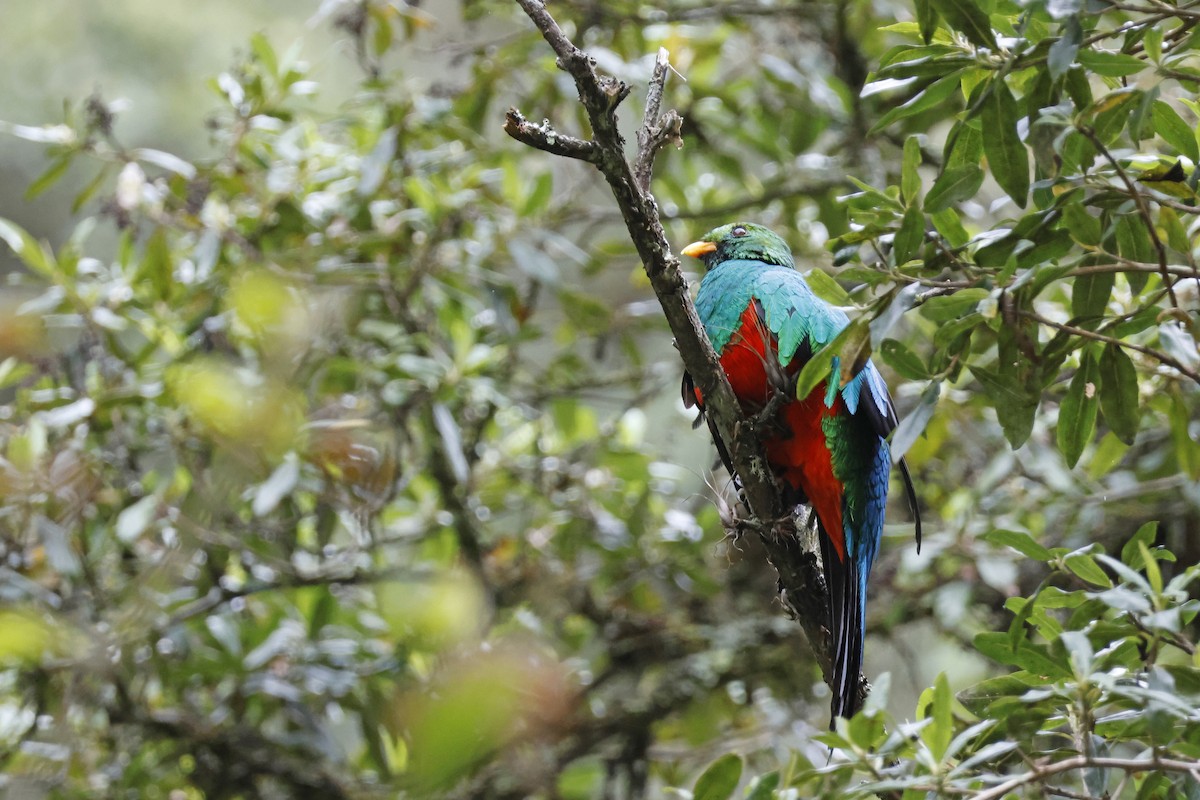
(1157,355)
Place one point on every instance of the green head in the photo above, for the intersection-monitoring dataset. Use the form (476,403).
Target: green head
(741,241)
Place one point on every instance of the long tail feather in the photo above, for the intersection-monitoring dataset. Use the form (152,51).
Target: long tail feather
(911,492)
(846,609)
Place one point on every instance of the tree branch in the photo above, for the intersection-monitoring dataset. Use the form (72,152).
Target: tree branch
(655,131)
(544,137)
(1040,773)
(1142,207)
(791,548)
(1157,355)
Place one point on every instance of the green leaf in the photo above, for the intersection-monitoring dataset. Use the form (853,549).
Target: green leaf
(908,240)
(763,787)
(827,288)
(89,191)
(954,185)
(1077,412)
(1090,294)
(1080,650)
(964,145)
(1006,153)
(969,19)
(1015,403)
(1020,541)
(1177,237)
(1150,564)
(913,425)
(1110,65)
(949,225)
(156,269)
(910,176)
(897,356)
(1062,52)
(48,178)
(873,194)
(260,45)
(1119,393)
(1133,243)
(31,253)
(931,96)
(1131,553)
(846,353)
(1108,453)
(940,731)
(1084,565)
(1035,659)
(1083,227)
(1110,112)
(926,19)
(952,306)
(1177,133)
(720,779)
(543,188)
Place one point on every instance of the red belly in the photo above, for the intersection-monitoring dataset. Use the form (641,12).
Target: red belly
(800,457)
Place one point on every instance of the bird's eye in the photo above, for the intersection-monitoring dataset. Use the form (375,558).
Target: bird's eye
(738,231)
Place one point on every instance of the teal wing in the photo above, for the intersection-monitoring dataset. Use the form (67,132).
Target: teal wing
(802,322)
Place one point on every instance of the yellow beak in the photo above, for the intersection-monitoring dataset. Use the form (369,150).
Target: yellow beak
(698,249)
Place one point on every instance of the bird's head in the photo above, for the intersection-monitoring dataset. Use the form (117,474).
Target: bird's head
(743,241)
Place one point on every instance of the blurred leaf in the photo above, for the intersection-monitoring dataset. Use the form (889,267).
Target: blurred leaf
(913,424)
(763,787)
(940,731)
(1063,51)
(719,779)
(56,170)
(910,182)
(133,521)
(281,483)
(26,248)
(1020,541)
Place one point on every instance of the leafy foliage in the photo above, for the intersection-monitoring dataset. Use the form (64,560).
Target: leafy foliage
(334,465)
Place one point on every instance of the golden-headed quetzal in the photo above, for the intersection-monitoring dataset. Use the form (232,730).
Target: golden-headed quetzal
(828,450)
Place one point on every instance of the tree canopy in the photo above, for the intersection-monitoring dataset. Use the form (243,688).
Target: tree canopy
(349,461)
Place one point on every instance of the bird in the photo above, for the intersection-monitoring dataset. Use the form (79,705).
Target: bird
(828,450)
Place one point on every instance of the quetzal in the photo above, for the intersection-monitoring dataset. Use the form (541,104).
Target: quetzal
(828,450)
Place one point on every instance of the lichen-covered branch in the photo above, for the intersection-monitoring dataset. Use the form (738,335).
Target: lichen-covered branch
(791,547)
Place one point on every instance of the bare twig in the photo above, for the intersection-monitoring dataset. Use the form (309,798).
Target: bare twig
(544,137)
(1084,762)
(791,549)
(1157,355)
(655,131)
(1142,207)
